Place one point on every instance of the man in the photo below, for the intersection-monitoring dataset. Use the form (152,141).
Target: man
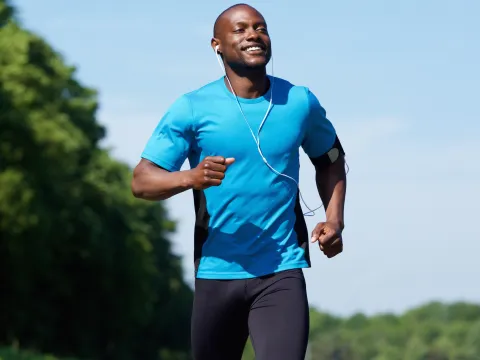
(251,240)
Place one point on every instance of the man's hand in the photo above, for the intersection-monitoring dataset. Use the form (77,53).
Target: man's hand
(210,172)
(329,237)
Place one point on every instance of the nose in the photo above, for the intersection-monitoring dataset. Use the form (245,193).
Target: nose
(252,34)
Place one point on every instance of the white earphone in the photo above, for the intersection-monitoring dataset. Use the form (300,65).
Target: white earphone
(257,138)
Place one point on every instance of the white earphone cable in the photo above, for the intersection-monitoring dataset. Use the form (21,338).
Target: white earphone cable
(257,138)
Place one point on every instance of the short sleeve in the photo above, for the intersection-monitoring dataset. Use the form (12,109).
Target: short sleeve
(320,135)
(170,143)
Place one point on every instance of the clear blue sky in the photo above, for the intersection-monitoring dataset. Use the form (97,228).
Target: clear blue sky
(399,80)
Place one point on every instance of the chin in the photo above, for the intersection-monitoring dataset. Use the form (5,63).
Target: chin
(246,64)
(256,64)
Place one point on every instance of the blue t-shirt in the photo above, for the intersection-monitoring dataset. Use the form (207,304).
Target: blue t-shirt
(252,224)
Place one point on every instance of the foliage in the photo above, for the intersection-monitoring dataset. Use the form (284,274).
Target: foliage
(434,331)
(85,269)
(12,353)
(6,12)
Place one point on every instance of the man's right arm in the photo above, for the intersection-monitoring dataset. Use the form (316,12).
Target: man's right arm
(158,176)
(151,182)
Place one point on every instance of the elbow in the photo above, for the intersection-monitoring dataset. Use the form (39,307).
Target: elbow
(140,192)
(136,189)
(147,183)
(137,185)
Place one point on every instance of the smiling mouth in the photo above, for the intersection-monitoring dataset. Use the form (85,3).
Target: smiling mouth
(254,49)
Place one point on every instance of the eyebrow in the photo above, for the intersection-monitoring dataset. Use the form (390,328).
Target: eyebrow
(244,23)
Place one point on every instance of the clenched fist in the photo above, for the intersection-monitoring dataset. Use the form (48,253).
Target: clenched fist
(210,172)
(329,237)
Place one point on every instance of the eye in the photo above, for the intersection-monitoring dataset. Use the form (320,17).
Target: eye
(262,29)
(238,30)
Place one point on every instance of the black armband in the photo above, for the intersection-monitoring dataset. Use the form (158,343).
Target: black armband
(330,156)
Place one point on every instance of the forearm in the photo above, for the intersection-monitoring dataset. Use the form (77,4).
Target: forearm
(332,185)
(152,184)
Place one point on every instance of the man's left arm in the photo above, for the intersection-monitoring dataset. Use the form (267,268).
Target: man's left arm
(324,149)
(331,184)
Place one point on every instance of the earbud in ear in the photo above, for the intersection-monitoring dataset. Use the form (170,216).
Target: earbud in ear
(216,49)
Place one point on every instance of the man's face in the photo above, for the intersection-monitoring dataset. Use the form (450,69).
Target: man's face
(244,39)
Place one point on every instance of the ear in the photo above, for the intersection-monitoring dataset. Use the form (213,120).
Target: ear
(216,45)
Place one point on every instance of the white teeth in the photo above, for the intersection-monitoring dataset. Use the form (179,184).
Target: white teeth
(253,48)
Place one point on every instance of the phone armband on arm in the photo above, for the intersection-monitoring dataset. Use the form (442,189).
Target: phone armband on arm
(330,157)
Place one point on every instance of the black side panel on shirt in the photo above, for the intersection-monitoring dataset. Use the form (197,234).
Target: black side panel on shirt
(301,229)
(202,220)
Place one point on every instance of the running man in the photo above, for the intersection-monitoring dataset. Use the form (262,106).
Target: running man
(251,241)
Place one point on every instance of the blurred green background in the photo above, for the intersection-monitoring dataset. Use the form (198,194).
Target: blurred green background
(87,271)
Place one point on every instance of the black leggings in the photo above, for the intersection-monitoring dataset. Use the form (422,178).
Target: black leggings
(273,309)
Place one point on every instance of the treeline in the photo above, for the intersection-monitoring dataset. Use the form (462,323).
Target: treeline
(434,331)
(86,270)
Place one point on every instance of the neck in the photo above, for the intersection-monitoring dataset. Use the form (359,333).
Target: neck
(248,83)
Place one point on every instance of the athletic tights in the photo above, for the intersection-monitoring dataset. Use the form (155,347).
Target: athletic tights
(272,309)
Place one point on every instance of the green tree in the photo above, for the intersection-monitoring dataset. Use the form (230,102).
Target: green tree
(85,269)
(434,331)
(6,12)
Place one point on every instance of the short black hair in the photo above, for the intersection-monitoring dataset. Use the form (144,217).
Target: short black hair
(215,26)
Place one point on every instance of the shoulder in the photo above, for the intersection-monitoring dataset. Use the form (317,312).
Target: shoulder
(183,104)
(205,92)
(288,92)
(301,97)
(186,108)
